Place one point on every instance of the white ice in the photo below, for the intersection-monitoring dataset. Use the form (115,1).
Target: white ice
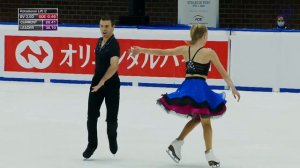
(44,126)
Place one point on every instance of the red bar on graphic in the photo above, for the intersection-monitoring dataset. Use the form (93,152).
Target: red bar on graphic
(47,16)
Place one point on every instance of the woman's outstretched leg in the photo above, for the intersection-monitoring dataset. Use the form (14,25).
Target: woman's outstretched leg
(188,128)
(174,149)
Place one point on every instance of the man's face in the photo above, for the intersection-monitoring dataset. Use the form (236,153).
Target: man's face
(106,28)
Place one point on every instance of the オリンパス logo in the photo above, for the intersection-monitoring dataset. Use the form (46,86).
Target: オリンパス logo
(34,54)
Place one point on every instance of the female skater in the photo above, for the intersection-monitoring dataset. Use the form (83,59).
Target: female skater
(194,98)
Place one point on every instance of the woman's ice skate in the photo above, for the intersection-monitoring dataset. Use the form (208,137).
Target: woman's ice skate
(174,150)
(212,160)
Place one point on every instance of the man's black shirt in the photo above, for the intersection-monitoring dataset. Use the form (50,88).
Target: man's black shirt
(103,54)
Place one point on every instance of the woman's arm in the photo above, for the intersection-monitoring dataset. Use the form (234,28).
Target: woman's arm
(159,52)
(216,61)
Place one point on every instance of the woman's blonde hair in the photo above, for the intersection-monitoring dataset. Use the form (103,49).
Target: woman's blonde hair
(197,32)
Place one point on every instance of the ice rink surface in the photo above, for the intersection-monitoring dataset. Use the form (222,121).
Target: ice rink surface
(44,126)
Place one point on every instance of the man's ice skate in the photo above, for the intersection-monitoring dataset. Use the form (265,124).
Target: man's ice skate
(212,160)
(112,137)
(88,152)
(174,150)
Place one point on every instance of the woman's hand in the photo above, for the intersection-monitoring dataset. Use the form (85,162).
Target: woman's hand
(236,94)
(135,50)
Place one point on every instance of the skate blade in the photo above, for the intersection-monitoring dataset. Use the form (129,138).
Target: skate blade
(172,157)
(170,151)
(85,159)
(214,164)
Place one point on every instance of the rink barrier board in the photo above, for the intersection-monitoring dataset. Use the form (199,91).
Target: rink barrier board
(181,27)
(218,36)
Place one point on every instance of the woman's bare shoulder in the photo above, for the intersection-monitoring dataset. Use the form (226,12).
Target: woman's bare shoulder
(208,51)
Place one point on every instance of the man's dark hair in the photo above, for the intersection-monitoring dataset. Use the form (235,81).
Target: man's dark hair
(108,17)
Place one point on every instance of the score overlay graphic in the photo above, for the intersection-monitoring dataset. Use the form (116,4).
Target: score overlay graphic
(38,19)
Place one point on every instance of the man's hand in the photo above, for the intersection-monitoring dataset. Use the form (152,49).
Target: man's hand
(97,87)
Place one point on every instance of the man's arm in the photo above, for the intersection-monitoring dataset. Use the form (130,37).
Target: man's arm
(112,69)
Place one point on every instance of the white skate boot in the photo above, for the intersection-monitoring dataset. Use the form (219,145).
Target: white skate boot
(212,160)
(174,150)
